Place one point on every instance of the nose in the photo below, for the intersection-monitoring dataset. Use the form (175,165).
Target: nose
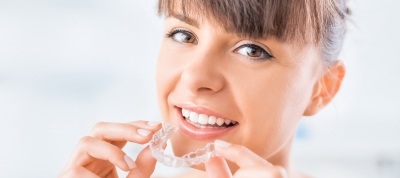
(202,74)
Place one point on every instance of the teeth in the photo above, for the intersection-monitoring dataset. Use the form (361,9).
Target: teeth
(185,113)
(205,119)
(194,117)
(220,121)
(212,120)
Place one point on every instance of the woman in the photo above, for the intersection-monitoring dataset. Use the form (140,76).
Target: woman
(239,73)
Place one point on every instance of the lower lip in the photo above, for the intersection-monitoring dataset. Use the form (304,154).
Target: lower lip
(201,133)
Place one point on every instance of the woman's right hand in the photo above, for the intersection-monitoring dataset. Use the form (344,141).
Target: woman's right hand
(98,154)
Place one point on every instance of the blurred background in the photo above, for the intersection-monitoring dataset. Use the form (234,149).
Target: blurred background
(67,64)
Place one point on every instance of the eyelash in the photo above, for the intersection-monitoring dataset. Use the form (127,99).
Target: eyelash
(176,31)
(173,32)
(263,56)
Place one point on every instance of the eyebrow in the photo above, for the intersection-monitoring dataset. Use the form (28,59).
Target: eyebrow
(186,19)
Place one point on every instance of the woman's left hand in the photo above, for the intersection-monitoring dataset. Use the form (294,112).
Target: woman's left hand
(250,164)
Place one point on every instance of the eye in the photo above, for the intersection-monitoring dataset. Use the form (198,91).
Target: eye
(253,51)
(182,36)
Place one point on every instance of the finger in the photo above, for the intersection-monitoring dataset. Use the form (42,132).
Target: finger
(217,167)
(146,164)
(238,154)
(281,171)
(78,172)
(90,148)
(144,123)
(138,131)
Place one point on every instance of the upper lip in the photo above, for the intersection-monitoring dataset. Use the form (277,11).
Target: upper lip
(202,110)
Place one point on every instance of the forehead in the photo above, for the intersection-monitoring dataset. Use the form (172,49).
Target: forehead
(251,19)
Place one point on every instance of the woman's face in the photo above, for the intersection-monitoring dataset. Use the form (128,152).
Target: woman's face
(258,88)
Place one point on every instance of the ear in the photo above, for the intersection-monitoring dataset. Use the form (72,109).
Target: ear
(326,88)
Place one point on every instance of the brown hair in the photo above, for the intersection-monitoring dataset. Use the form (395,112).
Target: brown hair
(319,21)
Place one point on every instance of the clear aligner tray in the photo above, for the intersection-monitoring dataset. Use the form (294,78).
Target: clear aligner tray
(161,137)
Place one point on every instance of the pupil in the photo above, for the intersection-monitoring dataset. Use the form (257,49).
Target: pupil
(253,52)
(186,38)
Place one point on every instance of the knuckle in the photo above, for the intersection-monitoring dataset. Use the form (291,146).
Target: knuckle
(117,152)
(128,130)
(96,130)
(99,124)
(85,140)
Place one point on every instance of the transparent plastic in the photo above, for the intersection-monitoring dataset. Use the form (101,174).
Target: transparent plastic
(161,137)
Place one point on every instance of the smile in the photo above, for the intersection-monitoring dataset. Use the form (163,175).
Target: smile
(202,124)
(205,121)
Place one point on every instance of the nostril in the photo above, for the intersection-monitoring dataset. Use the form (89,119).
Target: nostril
(203,78)
(204,89)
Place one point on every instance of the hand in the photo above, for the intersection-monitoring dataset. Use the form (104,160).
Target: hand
(99,154)
(250,164)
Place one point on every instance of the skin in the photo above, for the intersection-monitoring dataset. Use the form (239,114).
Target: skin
(99,153)
(212,69)
(268,97)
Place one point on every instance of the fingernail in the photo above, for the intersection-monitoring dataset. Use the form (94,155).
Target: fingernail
(143,132)
(131,164)
(221,144)
(152,124)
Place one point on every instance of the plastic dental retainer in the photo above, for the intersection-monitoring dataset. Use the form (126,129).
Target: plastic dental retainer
(161,137)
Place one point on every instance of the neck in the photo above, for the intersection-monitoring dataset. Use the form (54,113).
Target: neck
(282,158)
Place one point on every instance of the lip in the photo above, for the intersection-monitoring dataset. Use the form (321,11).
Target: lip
(201,133)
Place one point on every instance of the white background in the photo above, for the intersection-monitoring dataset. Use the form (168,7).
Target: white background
(67,64)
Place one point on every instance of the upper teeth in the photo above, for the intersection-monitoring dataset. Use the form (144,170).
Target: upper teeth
(205,119)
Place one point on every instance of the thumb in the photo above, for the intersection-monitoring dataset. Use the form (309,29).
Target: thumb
(217,167)
(145,164)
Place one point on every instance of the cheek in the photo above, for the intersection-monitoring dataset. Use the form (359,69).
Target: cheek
(170,65)
(273,107)
(165,69)
(166,79)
